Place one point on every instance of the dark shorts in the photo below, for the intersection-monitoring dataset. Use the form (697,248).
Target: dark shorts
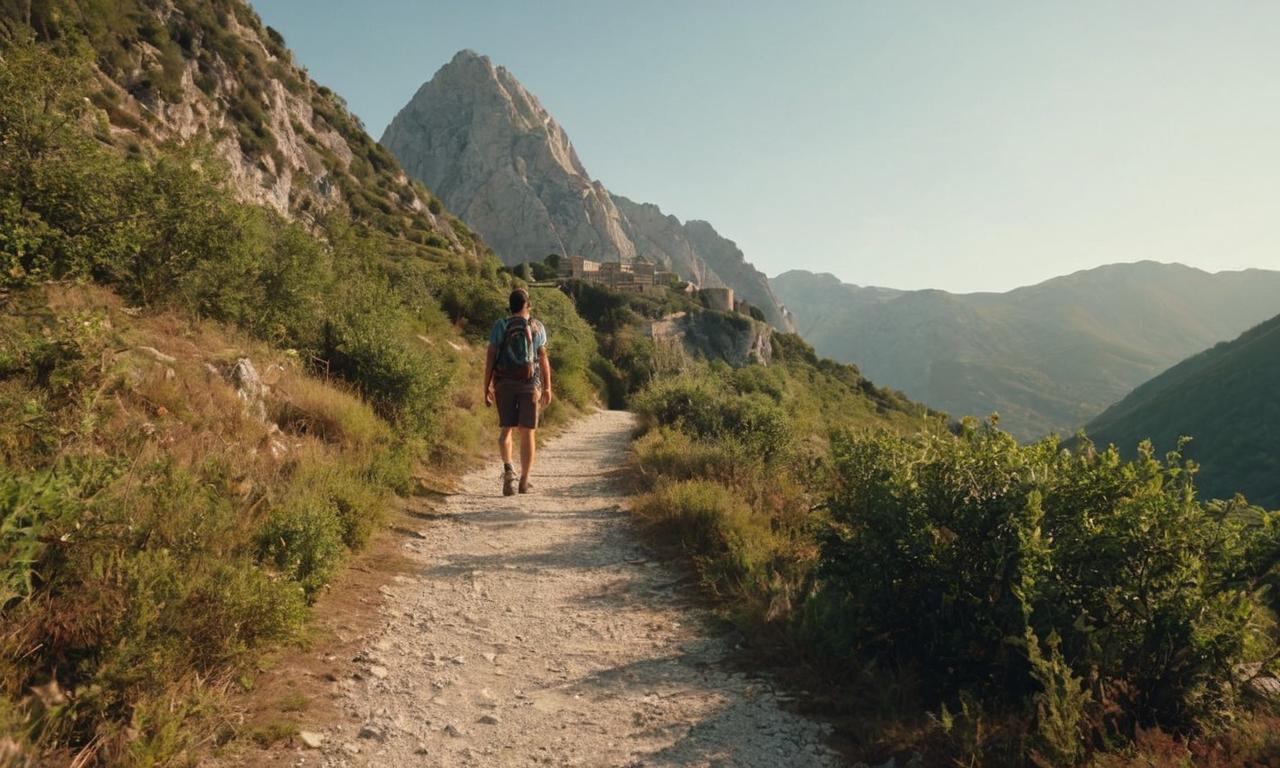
(517,406)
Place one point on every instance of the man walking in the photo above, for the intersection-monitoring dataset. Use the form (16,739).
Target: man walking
(517,375)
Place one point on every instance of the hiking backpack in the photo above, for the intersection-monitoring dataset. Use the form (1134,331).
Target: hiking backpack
(515,353)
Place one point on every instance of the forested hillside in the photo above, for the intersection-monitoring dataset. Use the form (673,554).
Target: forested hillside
(1046,357)
(1227,401)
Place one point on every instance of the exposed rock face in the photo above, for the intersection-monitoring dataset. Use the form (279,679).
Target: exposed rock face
(288,143)
(496,157)
(724,336)
(728,261)
(661,238)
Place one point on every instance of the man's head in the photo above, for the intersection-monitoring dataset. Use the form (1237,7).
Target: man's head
(519,301)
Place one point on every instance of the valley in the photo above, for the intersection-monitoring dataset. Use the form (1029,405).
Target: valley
(1046,358)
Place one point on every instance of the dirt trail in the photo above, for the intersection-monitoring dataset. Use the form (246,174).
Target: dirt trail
(535,630)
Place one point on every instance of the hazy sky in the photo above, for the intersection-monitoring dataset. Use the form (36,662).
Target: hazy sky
(958,145)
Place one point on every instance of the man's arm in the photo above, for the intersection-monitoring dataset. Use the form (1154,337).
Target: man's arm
(490,356)
(544,363)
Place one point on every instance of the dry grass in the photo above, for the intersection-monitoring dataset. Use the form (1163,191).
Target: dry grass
(186,530)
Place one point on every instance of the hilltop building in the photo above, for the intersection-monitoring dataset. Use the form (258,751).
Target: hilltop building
(633,277)
(645,278)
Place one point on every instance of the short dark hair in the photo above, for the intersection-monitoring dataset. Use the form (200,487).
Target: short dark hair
(519,298)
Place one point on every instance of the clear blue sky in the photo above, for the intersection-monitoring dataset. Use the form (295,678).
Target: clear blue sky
(960,145)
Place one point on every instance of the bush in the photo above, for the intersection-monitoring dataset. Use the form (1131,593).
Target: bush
(704,409)
(730,544)
(303,539)
(346,490)
(571,347)
(962,557)
(405,386)
(306,406)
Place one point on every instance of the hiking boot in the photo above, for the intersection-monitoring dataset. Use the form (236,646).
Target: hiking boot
(509,480)
(526,486)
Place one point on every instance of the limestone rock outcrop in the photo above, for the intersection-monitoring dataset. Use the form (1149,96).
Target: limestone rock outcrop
(494,155)
(499,160)
(735,339)
(287,142)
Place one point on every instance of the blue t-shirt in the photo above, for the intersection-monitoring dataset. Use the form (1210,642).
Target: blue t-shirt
(539,342)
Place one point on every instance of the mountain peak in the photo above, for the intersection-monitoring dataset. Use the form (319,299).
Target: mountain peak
(493,154)
(500,160)
(466,55)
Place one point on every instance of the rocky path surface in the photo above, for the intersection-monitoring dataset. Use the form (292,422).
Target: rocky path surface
(537,630)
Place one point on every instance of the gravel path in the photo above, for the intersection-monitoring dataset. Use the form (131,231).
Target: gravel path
(536,630)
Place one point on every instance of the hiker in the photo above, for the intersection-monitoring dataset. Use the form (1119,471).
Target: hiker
(517,375)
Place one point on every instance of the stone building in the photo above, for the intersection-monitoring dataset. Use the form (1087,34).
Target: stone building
(720,299)
(633,277)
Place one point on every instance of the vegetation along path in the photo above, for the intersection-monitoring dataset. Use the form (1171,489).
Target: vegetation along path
(536,630)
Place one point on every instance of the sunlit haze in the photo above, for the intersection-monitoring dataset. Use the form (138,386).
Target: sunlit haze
(965,146)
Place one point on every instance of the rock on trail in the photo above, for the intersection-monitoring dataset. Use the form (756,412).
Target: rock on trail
(535,630)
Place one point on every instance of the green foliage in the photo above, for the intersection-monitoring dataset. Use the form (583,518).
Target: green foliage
(164,233)
(1226,400)
(1067,600)
(151,540)
(730,544)
(32,508)
(701,408)
(147,543)
(303,538)
(406,385)
(571,348)
(956,555)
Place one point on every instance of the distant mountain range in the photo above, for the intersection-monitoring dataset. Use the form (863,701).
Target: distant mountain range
(1227,399)
(493,154)
(1047,357)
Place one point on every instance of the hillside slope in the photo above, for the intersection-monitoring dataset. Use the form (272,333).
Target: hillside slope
(492,152)
(1227,401)
(216,367)
(1046,357)
(210,70)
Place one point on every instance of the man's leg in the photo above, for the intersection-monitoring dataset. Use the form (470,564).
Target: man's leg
(504,444)
(527,451)
(508,471)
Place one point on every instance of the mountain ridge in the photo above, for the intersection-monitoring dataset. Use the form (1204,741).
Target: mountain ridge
(495,155)
(1046,357)
(1221,400)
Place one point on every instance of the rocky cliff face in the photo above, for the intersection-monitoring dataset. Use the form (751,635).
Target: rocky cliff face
(661,238)
(495,156)
(210,71)
(726,336)
(492,153)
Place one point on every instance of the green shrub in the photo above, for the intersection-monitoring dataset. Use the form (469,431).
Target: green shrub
(960,555)
(669,454)
(303,539)
(729,543)
(404,384)
(347,491)
(35,509)
(703,408)
(571,346)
